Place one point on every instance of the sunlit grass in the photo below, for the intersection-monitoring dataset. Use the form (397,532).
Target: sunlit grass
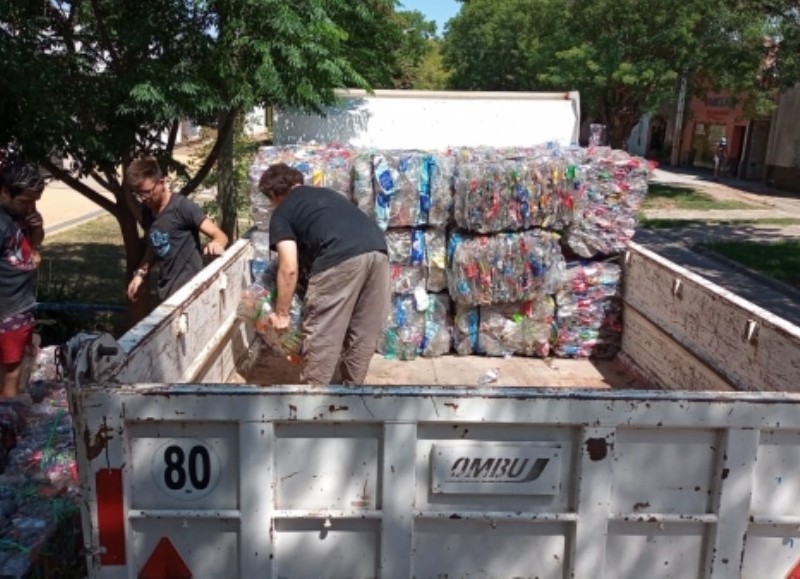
(779,260)
(660,196)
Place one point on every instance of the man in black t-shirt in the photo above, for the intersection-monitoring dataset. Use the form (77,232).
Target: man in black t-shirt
(318,230)
(173,224)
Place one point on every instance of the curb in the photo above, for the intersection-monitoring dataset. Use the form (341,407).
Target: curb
(70,223)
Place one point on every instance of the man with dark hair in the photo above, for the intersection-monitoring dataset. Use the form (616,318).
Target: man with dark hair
(21,236)
(318,230)
(172,223)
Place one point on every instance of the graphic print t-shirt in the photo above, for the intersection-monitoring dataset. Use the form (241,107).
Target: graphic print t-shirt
(17,269)
(174,237)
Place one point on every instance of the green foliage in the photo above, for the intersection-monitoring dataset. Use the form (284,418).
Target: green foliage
(104,81)
(431,73)
(625,57)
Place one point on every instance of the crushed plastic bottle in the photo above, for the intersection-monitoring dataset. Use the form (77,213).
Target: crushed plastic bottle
(489,377)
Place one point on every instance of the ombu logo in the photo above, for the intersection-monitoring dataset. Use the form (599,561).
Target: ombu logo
(503,468)
(497,469)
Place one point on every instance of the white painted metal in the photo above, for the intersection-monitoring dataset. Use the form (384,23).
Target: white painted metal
(341,482)
(253,481)
(435,120)
(685,332)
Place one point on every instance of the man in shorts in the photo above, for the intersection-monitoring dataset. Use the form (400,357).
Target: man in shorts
(21,235)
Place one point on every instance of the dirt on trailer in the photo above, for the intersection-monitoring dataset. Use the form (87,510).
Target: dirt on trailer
(270,369)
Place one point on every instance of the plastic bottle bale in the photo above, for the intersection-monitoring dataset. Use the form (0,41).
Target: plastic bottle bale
(417,325)
(417,258)
(504,267)
(362,178)
(522,329)
(616,185)
(257,302)
(588,320)
(403,193)
(515,189)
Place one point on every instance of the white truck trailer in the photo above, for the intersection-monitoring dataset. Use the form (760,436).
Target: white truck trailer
(680,458)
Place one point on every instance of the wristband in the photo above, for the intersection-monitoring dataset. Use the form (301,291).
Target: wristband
(140,273)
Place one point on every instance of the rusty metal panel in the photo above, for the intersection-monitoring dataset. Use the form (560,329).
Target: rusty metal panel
(244,481)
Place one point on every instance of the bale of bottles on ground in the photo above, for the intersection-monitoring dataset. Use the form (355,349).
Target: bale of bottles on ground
(493,251)
(40,534)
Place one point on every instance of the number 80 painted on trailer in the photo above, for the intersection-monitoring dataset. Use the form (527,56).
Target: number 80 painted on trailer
(185,468)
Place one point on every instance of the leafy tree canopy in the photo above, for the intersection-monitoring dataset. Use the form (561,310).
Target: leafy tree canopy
(624,56)
(102,81)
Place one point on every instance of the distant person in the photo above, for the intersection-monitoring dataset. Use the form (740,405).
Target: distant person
(172,224)
(21,236)
(720,156)
(318,230)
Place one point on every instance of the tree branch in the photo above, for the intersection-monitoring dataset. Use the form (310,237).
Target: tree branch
(222,133)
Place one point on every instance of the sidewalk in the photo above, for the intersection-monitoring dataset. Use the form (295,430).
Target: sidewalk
(62,207)
(683,245)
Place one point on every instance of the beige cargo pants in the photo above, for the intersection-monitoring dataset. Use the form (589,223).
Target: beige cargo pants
(344,312)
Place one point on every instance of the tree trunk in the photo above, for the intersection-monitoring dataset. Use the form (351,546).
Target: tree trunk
(226,186)
(134,251)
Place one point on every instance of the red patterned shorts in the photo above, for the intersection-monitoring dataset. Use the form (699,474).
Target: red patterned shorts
(15,334)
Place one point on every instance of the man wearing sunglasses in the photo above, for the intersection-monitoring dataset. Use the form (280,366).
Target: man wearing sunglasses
(173,224)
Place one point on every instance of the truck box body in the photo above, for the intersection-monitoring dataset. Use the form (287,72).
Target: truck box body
(679,458)
(186,468)
(403,119)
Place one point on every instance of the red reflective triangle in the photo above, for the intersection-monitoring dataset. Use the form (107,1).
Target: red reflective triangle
(795,572)
(165,563)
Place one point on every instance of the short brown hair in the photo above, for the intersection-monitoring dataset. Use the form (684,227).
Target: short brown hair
(142,169)
(278,180)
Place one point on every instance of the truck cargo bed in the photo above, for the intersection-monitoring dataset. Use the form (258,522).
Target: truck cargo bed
(268,369)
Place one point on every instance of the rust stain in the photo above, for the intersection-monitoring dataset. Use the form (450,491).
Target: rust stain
(725,473)
(452,405)
(97,444)
(292,412)
(363,499)
(640,506)
(333,408)
(597,449)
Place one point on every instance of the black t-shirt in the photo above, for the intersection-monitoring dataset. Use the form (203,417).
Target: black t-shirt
(327,227)
(174,237)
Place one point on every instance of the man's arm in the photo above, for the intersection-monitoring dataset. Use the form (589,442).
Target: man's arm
(219,241)
(286,282)
(35,226)
(141,273)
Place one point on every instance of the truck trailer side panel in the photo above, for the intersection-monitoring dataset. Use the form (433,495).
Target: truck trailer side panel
(241,481)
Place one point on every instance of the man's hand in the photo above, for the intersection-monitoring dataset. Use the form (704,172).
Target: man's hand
(34,220)
(213,248)
(133,287)
(280,322)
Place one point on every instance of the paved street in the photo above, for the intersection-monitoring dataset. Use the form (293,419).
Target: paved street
(684,245)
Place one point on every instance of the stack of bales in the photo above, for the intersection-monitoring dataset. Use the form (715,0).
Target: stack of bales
(497,251)
(505,260)
(589,307)
(410,199)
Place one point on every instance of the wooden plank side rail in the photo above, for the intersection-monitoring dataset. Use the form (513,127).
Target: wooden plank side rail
(747,346)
